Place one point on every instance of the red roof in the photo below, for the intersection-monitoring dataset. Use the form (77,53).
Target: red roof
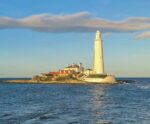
(53,73)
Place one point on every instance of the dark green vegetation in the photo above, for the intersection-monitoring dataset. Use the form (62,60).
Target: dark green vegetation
(53,78)
(97,76)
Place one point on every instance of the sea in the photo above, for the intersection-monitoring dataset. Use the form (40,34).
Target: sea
(123,103)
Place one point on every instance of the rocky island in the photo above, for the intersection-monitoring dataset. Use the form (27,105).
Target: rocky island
(72,74)
(75,73)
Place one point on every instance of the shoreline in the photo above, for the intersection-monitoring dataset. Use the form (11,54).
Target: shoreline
(52,82)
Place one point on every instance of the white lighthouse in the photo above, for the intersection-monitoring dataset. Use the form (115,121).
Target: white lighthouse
(98,75)
(98,67)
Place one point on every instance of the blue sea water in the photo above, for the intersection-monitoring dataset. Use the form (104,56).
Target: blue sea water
(125,103)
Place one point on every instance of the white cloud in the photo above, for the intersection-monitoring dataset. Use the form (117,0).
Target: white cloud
(144,35)
(78,22)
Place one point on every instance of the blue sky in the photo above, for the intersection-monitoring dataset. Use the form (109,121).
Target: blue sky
(40,36)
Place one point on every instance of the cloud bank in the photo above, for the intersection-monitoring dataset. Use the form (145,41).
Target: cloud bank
(144,35)
(78,22)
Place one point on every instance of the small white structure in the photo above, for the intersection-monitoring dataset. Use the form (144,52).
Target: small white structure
(101,79)
(88,72)
(99,75)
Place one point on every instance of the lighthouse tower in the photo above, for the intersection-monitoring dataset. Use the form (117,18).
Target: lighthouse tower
(98,67)
(98,75)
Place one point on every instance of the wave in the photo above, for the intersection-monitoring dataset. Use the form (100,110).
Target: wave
(145,87)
